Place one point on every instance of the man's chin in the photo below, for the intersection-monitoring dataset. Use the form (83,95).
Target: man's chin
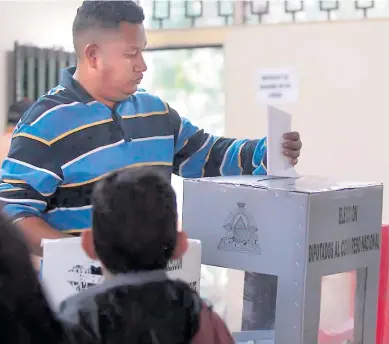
(131,90)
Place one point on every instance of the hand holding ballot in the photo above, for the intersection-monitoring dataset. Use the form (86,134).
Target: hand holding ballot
(292,146)
(283,145)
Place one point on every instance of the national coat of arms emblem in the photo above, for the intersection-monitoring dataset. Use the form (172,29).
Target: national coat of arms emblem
(241,232)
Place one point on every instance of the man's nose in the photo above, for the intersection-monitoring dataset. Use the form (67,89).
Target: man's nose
(141,65)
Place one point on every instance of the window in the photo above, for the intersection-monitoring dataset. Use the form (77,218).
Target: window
(191,81)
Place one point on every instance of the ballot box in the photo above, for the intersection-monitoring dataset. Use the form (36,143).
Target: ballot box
(66,269)
(302,255)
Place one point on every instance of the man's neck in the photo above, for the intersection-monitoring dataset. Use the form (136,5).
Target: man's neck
(85,81)
(136,278)
(108,275)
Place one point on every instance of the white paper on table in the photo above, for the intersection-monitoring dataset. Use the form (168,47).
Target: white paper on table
(278,123)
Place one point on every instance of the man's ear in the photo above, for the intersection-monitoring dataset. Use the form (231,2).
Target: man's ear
(87,244)
(181,245)
(91,51)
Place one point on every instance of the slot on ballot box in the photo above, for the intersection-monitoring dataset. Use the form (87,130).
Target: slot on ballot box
(300,256)
(67,270)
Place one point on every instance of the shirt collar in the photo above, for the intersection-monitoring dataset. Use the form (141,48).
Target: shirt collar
(73,85)
(136,278)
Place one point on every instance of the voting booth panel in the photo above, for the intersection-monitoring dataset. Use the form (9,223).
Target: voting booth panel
(305,252)
(67,270)
(332,77)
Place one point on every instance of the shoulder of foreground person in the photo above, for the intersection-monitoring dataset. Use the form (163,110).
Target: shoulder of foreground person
(212,329)
(69,308)
(81,310)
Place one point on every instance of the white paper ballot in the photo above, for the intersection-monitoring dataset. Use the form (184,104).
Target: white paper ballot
(278,123)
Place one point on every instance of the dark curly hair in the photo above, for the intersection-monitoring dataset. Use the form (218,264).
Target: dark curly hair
(25,315)
(134,221)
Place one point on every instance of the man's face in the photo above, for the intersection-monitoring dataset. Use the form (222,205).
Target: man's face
(118,63)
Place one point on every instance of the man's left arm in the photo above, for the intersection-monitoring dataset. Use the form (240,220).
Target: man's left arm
(199,154)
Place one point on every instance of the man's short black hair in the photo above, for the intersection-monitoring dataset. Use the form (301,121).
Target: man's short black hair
(134,221)
(105,15)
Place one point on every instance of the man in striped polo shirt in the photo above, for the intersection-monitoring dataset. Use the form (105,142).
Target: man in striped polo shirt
(96,122)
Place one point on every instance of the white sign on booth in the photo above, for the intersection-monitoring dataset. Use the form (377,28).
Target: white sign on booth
(67,270)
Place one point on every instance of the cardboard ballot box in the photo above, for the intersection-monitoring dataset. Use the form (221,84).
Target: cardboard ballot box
(303,255)
(66,269)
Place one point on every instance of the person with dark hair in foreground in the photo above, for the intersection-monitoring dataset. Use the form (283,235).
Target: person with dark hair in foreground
(96,121)
(25,315)
(134,235)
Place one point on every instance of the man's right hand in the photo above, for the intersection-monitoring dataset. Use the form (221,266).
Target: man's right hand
(34,230)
